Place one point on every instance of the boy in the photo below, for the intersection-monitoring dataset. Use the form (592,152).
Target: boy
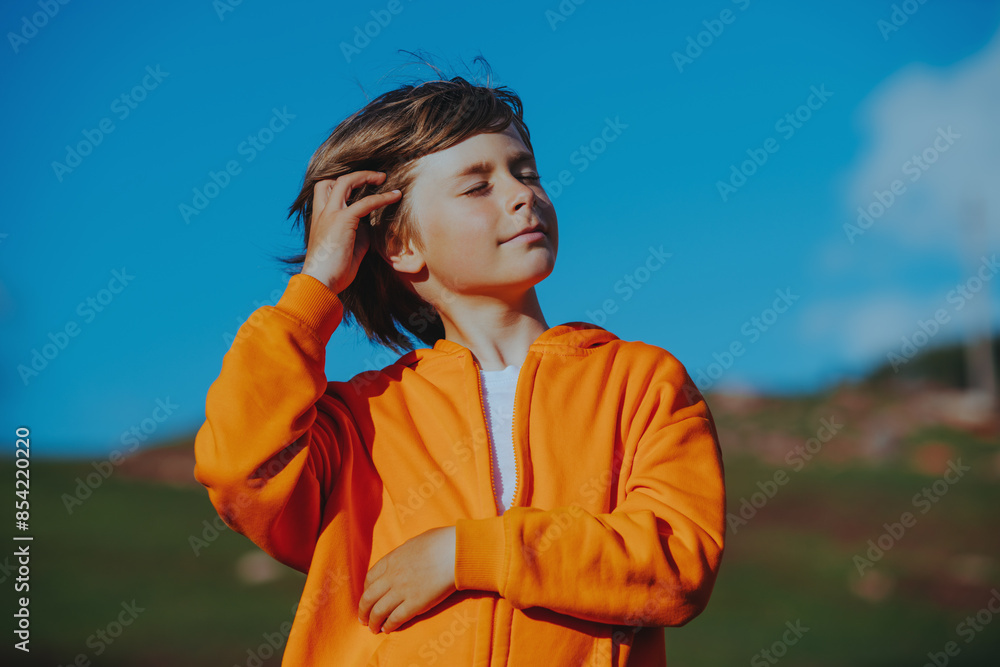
(430,531)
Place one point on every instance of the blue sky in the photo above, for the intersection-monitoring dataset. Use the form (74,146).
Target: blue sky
(200,78)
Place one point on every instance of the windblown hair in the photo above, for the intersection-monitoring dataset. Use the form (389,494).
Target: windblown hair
(390,134)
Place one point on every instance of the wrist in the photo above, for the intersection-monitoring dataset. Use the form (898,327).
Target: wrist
(479,554)
(312,302)
(322,276)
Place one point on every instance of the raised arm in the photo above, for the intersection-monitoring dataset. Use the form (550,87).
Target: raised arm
(270,449)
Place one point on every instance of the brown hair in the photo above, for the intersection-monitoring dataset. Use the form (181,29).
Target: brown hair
(389,134)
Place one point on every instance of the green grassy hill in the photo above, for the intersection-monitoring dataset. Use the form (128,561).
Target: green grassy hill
(943,365)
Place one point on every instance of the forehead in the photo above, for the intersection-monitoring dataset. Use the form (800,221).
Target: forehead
(485,147)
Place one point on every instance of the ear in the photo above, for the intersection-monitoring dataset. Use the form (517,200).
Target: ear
(404,258)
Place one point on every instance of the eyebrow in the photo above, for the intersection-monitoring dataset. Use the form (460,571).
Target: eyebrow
(485,166)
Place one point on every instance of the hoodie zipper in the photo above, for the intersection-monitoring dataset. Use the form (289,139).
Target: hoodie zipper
(489,436)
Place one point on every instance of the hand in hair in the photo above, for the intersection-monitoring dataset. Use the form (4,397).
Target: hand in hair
(409,580)
(337,240)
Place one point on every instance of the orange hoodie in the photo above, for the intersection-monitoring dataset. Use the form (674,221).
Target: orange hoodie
(618,519)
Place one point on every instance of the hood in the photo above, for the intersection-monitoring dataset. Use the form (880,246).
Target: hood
(573,335)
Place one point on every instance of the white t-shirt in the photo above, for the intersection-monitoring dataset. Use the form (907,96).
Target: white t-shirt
(498,395)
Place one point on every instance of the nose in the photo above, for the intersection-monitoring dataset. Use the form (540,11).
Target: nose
(523,195)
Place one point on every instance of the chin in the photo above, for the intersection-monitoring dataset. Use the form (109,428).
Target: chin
(540,271)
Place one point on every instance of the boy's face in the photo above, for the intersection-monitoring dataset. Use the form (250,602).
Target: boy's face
(468,221)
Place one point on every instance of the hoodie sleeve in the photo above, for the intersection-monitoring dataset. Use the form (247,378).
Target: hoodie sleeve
(269,450)
(652,561)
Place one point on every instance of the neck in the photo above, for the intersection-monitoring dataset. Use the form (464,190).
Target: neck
(498,332)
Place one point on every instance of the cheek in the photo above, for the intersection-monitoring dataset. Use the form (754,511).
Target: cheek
(463,250)
(465,233)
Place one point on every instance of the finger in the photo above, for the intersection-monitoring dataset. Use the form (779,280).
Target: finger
(376,571)
(346,184)
(372,594)
(330,198)
(321,193)
(363,207)
(401,614)
(382,609)
(362,241)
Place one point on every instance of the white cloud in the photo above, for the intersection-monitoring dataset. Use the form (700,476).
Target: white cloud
(860,331)
(903,117)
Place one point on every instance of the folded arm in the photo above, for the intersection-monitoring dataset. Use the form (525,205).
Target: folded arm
(651,561)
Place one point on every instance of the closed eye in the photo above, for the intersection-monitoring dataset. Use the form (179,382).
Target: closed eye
(481,189)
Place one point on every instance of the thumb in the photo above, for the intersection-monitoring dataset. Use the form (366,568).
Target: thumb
(362,242)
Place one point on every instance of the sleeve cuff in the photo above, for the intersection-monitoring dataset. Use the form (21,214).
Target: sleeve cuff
(479,554)
(312,303)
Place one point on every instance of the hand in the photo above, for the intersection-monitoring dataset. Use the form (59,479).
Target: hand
(337,240)
(409,580)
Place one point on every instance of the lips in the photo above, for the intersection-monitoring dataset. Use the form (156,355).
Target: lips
(534,232)
(530,237)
